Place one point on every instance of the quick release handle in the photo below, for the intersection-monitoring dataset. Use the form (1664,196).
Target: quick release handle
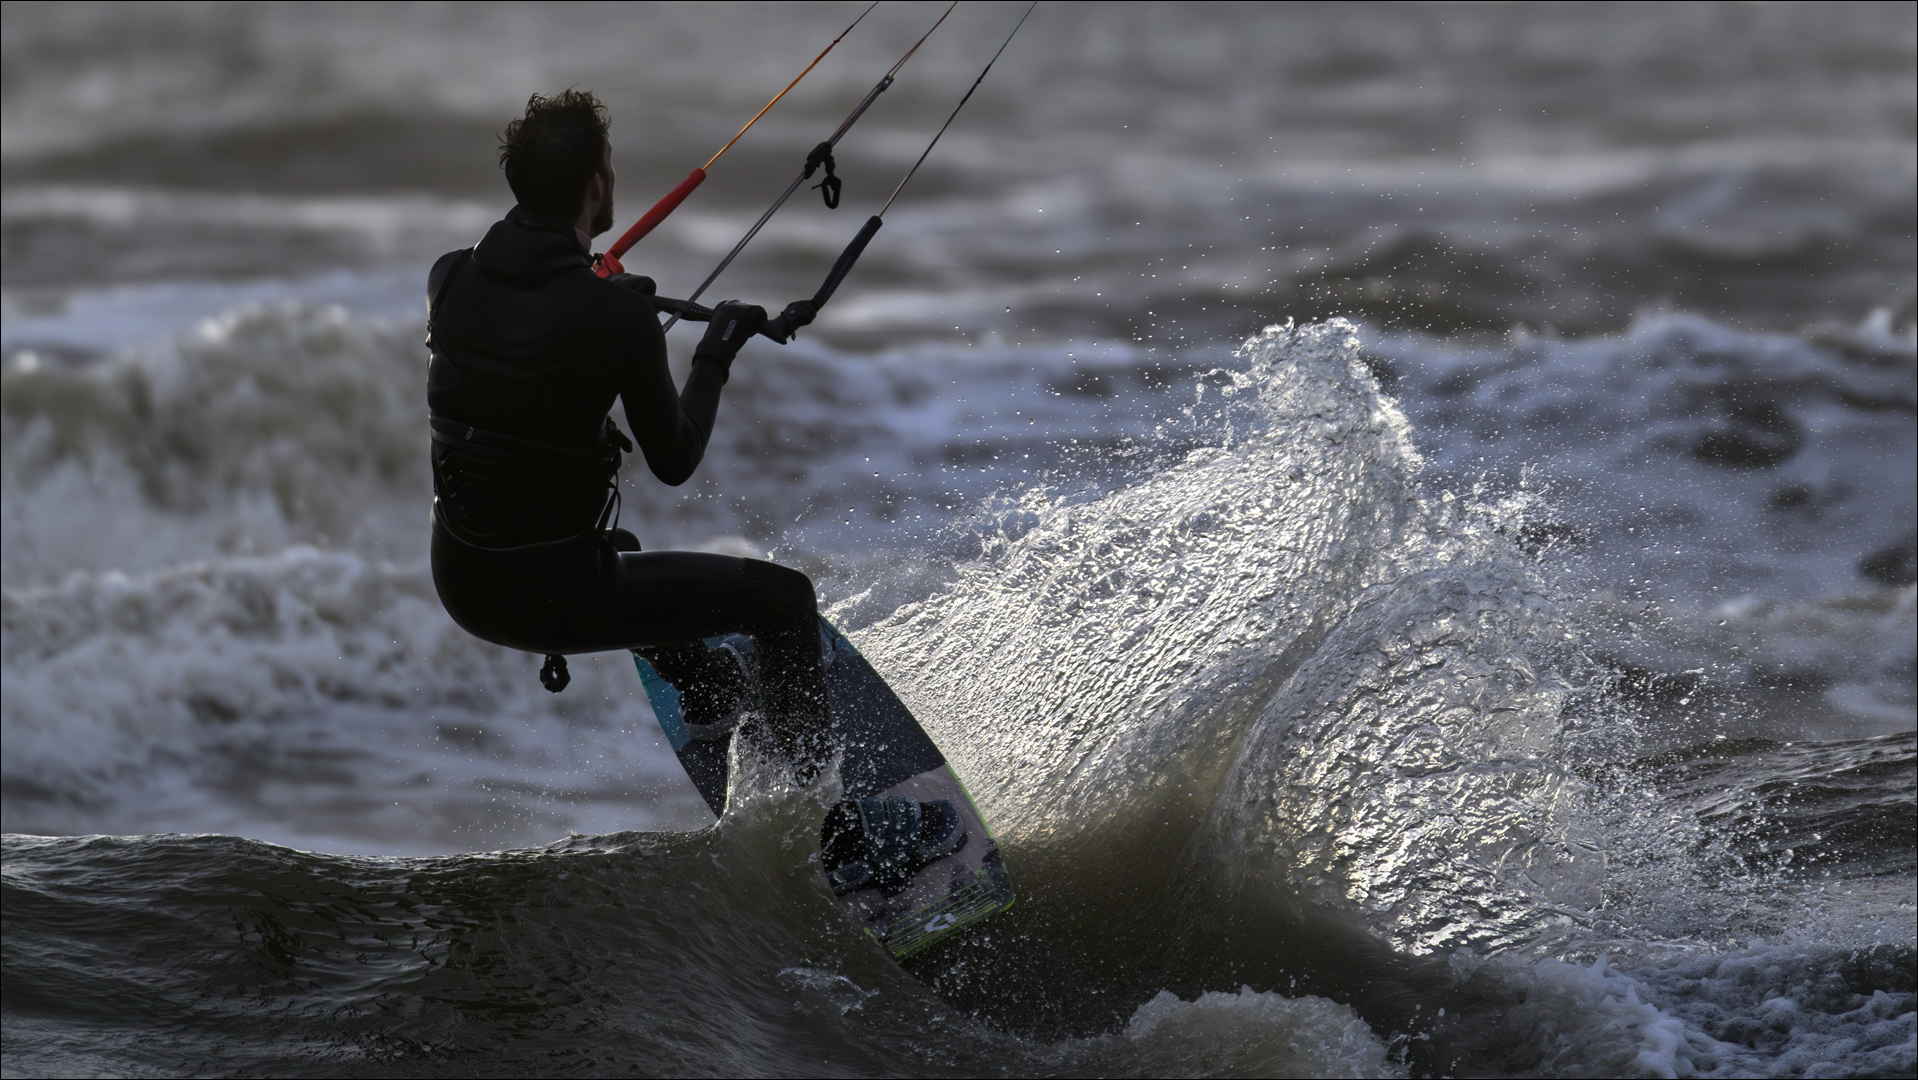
(658,213)
(609,263)
(846,260)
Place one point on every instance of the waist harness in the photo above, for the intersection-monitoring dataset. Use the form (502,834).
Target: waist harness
(496,490)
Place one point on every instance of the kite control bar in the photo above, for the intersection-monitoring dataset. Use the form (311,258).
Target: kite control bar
(780,327)
(821,154)
(799,313)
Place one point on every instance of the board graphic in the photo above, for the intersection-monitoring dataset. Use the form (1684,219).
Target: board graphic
(907,852)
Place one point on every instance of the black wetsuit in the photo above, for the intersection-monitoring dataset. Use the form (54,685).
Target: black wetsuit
(529,349)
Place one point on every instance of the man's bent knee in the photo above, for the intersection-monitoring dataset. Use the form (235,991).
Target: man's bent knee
(785,587)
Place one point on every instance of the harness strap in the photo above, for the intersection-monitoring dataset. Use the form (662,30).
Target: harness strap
(484,443)
(508,449)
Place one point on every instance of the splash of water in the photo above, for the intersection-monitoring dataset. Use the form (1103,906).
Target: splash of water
(1114,653)
(1336,689)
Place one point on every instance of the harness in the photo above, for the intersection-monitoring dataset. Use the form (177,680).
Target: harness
(605,457)
(600,460)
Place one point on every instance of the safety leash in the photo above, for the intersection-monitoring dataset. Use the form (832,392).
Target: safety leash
(608,264)
(821,155)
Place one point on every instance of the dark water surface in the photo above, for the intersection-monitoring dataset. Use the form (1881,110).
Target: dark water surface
(1505,667)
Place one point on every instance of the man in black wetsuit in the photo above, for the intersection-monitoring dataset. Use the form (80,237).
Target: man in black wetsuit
(529,349)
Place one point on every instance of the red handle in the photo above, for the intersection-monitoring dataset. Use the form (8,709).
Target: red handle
(658,213)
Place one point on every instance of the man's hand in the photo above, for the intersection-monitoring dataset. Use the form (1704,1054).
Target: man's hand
(639,283)
(733,323)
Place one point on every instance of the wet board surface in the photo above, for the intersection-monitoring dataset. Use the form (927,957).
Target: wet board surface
(884,754)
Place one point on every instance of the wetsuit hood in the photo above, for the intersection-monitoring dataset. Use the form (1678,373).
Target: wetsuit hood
(529,249)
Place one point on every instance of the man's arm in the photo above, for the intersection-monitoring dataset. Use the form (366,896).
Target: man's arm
(672,426)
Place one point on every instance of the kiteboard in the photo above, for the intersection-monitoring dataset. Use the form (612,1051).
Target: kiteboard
(906,851)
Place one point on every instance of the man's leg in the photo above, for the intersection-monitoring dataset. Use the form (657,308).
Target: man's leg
(669,597)
(580,597)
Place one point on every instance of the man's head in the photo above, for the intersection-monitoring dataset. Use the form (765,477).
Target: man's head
(553,155)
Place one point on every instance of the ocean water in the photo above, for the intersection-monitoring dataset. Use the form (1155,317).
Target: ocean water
(1401,514)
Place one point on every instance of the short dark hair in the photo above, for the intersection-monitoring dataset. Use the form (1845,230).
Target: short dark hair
(551,152)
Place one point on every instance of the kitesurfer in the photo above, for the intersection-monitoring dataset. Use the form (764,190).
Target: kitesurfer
(529,350)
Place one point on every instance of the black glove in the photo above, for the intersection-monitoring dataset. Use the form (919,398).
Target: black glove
(733,324)
(639,283)
(797,314)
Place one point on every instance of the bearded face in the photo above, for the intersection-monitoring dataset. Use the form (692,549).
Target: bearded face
(603,221)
